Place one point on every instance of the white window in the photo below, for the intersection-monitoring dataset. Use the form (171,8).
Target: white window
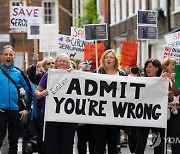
(130,3)
(143,4)
(50,12)
(115,11)
(176,5)
(124,9)
(17,3)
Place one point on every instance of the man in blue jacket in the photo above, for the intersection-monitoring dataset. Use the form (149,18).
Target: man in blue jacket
(10,112)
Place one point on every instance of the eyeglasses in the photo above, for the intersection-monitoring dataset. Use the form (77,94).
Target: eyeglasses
(50,63)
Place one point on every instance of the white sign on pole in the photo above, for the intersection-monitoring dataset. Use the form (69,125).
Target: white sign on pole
(34,29)
(83,97)
(73,46)
(173,40)
(20,15)
(49,38)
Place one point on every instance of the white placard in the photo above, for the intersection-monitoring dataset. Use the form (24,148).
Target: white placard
(20,15)
(49,38)
(73,46)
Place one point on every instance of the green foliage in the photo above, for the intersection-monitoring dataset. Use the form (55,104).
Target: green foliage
(90,15)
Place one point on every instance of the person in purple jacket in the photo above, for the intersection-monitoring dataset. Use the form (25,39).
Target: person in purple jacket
(59,136)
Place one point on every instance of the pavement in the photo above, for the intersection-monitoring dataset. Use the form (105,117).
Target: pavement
(124,150)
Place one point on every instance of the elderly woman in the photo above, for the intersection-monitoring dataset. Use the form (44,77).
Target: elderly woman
(59,137)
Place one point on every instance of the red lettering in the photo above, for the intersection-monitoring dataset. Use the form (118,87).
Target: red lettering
(21,12)
(15,13)
(24,12)
(29,13)
(35,12)
(176,36)
(75,32)
(81,32)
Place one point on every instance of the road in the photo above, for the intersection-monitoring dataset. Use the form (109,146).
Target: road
(124,150)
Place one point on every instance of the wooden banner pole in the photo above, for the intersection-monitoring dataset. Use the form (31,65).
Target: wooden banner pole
(96,48)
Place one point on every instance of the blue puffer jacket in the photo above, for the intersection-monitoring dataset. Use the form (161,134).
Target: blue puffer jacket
(8,91)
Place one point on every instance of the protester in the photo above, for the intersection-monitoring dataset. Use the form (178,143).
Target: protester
(107,133)
(10,114)
(35,73)
(85,132)
(132,138)
(173,125)
(59,136)
(152,68)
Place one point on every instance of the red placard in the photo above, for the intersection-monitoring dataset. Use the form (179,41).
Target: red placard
(129,54)
(90,53)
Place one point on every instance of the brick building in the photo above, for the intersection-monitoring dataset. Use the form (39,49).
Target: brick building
(54,11)
(121,16)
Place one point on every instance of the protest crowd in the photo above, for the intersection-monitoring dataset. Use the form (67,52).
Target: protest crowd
(59,136)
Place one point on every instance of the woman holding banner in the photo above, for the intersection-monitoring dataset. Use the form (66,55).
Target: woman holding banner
(59,136)
(107,133)
(173,125)
(152,68)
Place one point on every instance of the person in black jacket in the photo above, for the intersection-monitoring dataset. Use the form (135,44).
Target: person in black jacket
(35,76)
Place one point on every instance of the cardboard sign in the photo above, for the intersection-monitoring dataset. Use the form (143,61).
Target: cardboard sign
(173,40)
(177,78)
(96,32)
(20,16)
(147,17)
(147,32)
(90,53)
(129,54)
(82,97)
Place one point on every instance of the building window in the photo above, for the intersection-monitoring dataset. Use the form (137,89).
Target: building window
(176,5)
(17,3)
(50,12)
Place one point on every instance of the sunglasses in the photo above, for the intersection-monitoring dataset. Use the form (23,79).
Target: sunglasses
(50,63)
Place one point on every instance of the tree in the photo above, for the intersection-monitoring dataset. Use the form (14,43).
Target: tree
(90,16)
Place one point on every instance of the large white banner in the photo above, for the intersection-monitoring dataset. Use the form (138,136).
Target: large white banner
(83,97)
